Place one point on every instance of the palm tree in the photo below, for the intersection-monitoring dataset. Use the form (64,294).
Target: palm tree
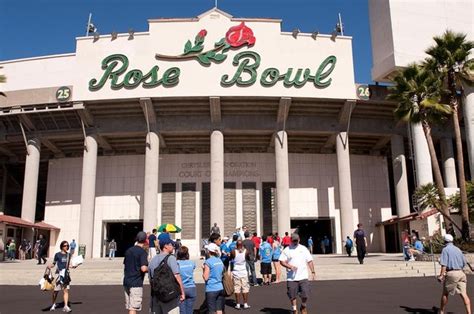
(417,93)
(450,58)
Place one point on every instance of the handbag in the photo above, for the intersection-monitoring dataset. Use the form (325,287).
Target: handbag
(47,283)
(227,283)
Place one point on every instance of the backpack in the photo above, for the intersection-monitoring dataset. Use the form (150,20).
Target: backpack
(164,285)
(227,283)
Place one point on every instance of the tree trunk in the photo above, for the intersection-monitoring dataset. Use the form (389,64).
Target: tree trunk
(459,159)
(437,175)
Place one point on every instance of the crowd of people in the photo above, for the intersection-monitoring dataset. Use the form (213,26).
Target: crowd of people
(162,256)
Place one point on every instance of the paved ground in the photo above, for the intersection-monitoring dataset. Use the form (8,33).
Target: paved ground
(400,295)
(102,271)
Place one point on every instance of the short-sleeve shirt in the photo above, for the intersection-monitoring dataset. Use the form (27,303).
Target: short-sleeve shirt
(151,240)
(186,270)
(419,246)
(163,236)
(250,247)
(298,256)
(156,261)
(359,236)
(266,252)
(452,257)
(73,245)
(276,250)
(135,258)
(256,241)
(310,242)
(60,260)
(216,267)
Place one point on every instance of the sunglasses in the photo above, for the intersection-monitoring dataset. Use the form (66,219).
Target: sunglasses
(67,245)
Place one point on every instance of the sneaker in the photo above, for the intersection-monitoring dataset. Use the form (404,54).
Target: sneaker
(237,306)
(67,309)
(412,259)
(246,306)
(53,307)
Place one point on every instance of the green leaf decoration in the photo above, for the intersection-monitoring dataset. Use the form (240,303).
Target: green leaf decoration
(197,48)
(204,59)
(219,57)
(187,47)
(226,48)
(198,40)
(220,42)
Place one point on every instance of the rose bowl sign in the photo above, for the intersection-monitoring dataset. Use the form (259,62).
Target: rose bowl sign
(117,74)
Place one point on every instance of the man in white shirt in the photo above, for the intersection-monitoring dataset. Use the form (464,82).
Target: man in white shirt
(297,259)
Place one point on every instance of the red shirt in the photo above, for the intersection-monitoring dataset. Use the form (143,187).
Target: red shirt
(286,240)
(256,241)
(270,240)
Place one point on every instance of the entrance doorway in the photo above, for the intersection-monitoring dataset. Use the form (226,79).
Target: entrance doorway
(123,233)
(316,228)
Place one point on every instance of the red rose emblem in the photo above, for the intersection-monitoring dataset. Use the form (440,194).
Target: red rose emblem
(202,33)
(239,35)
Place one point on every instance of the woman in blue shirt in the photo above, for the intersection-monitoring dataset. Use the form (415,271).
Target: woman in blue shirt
(212,275)
(186,270)
(276,258)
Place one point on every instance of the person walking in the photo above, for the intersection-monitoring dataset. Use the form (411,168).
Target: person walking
(225,252)
(349,245)
(266,253)
(276,258)
(166,250)
(152,242)
(251,254)
(451,274)
(12,250)
(186,271)
(361,243)
(113,248)
(327,245)
(163,235)
(286,241)
(22,249)
(72,247)
(212,275)
(257,241)
(42,248)
(215,229)
(61,260)
(135,267)
(310,244)
(297,259)
(240,275)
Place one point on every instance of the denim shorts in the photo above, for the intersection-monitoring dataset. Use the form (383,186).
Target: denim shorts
(215,300)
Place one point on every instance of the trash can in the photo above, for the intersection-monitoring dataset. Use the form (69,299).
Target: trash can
(82,250)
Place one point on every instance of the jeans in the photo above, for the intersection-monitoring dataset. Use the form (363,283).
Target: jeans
(186,307)
(111,253)
(251,272)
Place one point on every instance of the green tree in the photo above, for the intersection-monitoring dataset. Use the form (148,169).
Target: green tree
(455,200)
(427,196)
(449,57)
(417,92)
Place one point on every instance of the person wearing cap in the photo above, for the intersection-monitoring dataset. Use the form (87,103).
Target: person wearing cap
(135,266)
(225,252)
(212,275)
(166,248)
(297,260)
(454,279)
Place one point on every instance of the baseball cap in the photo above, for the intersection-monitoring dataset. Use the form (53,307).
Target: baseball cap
(448,238)
(295,237)
(141,237)
(212,247)
(225,238)
(166,241)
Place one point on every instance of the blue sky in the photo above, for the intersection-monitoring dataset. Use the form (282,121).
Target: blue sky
(42,27)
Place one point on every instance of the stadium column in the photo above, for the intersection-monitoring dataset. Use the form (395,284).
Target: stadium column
(345,185)
(449,165)
(150,195)
(423,170)
(217,179)
(89,169)
(469,125)
(282,182)
(30,185)
(400,176)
